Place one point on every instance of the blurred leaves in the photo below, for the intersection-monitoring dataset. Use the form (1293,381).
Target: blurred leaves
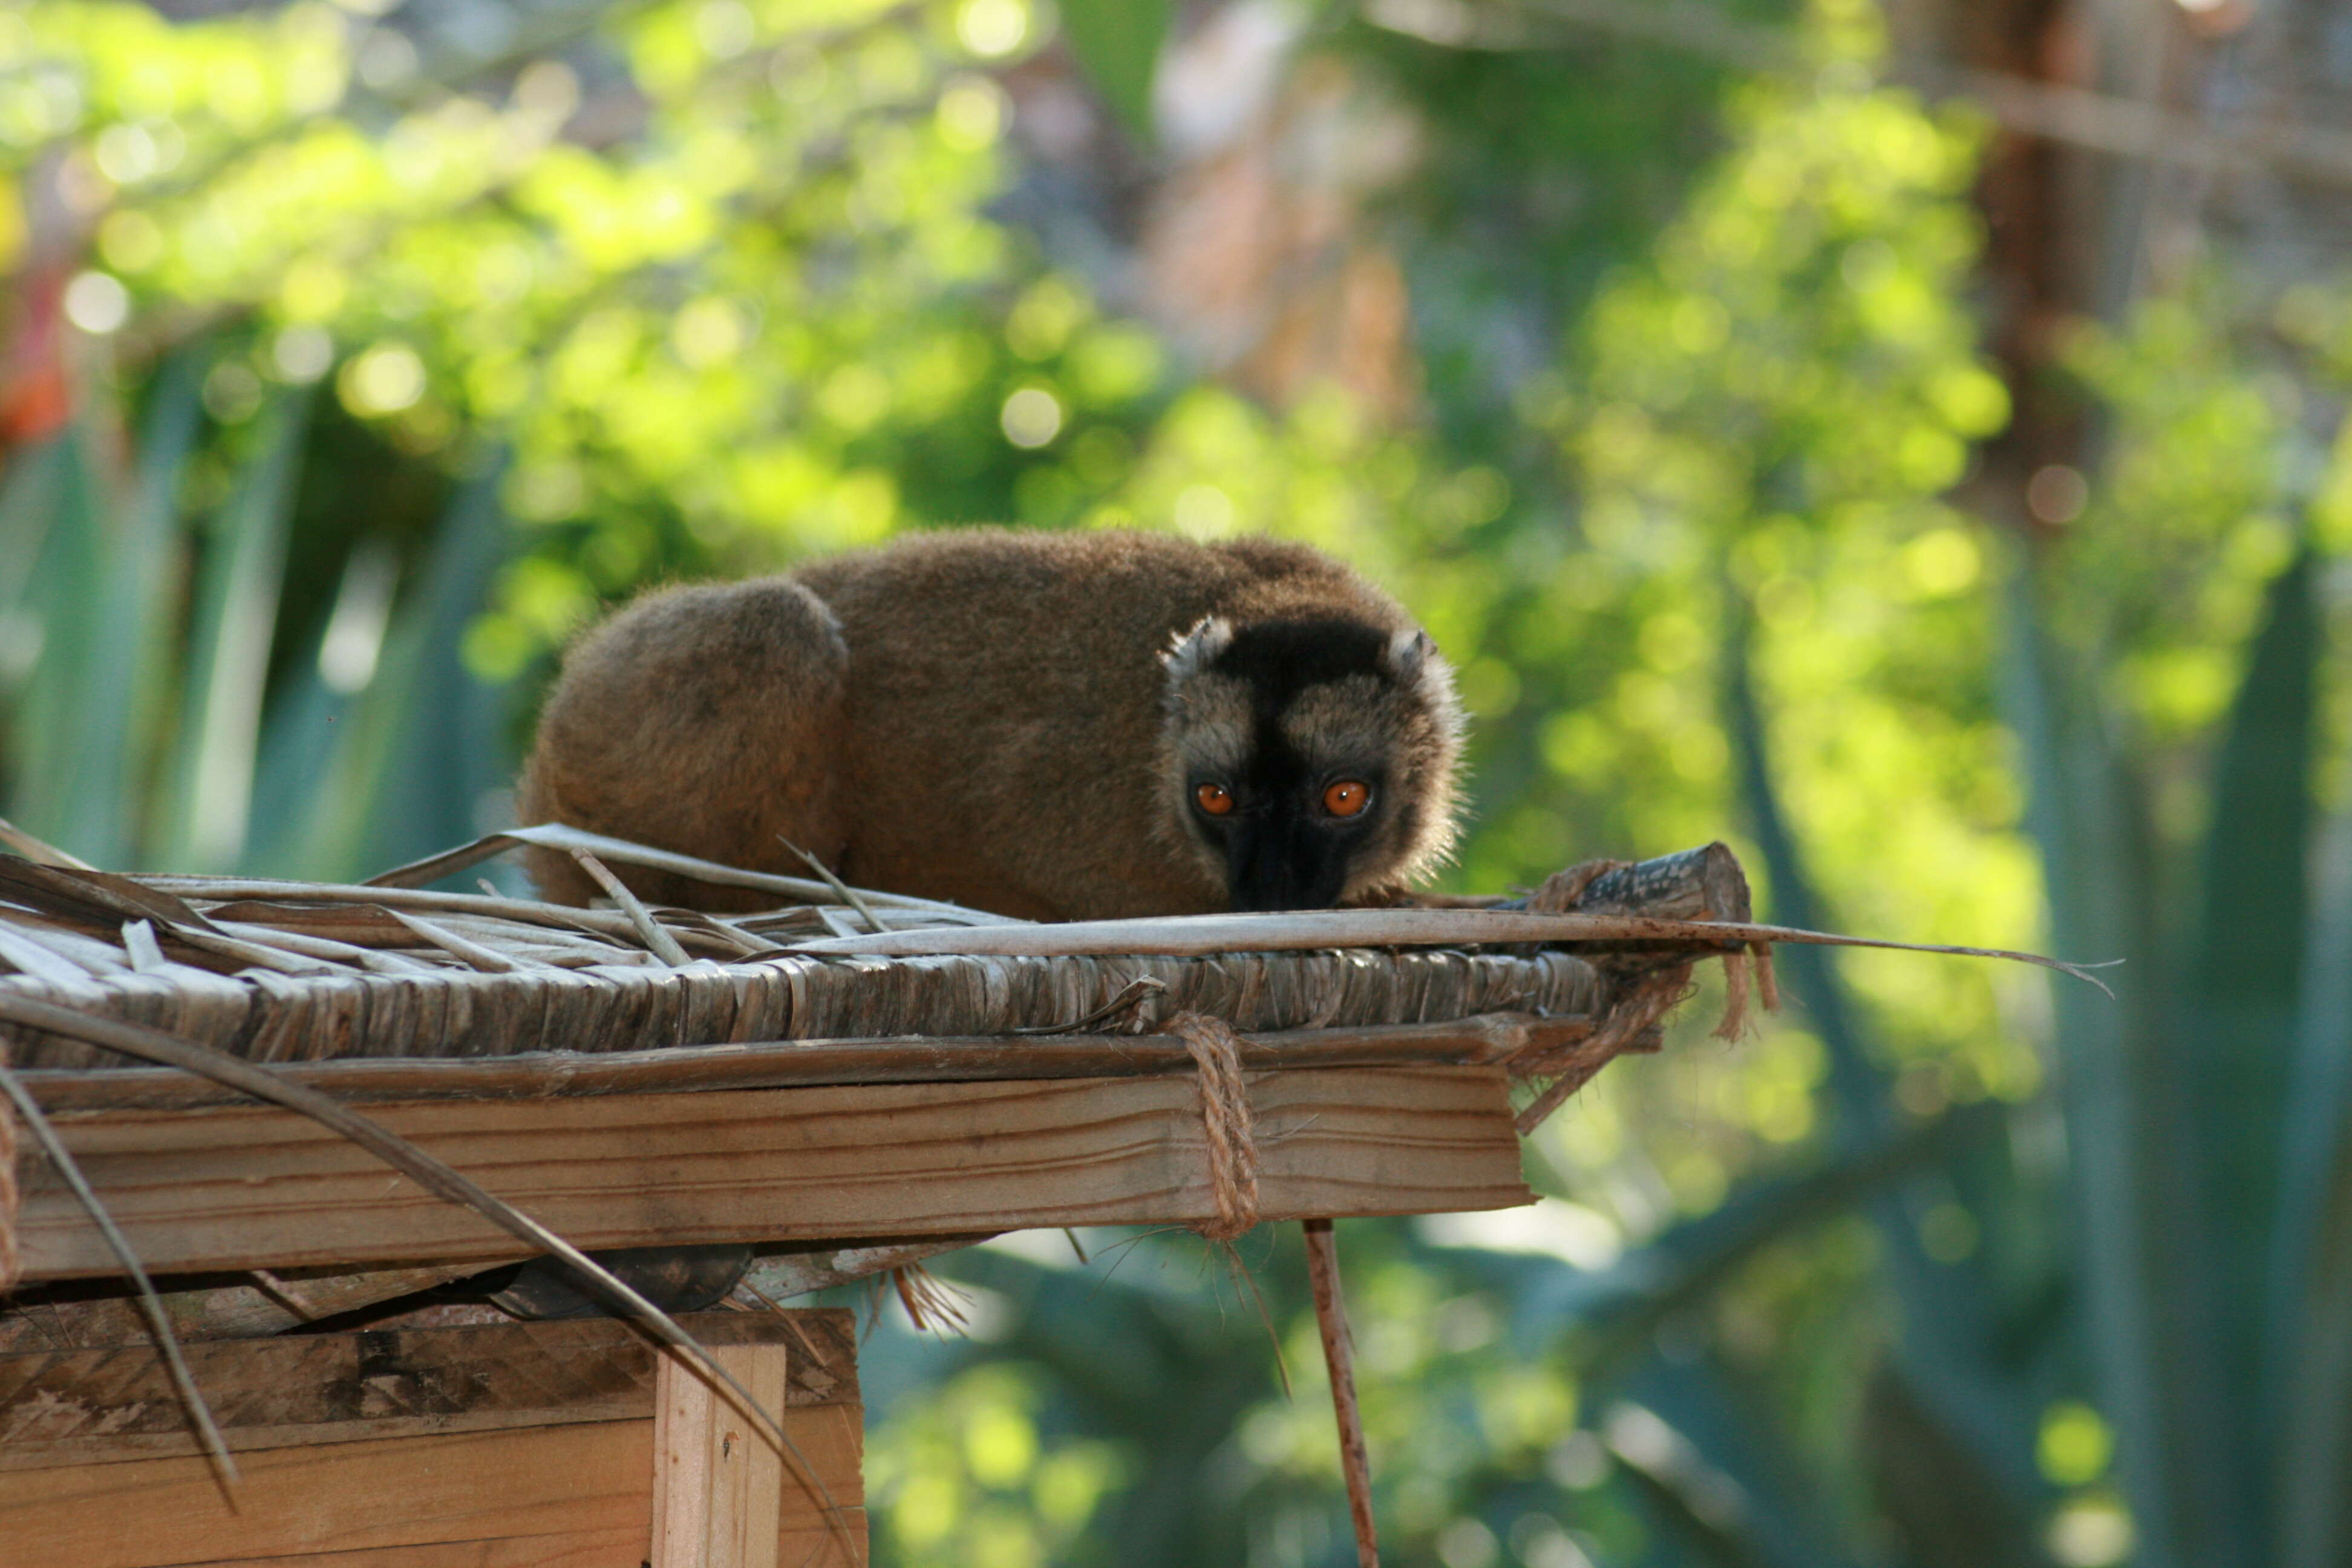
(354,362)
(1118,42)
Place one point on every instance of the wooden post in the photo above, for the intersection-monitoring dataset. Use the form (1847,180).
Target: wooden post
(718,1478)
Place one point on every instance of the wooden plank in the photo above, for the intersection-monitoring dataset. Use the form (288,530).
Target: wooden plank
(516,1492)
(569,1549)
(546,1483)
(718,1483)
(596,1477)
(832,1439)
(113,1404)
(243,1188)
(791,1064)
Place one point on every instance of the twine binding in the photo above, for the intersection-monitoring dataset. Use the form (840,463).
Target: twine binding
(1227,1122)
(1628,1025)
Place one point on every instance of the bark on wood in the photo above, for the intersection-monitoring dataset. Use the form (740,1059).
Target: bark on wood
(1702,884)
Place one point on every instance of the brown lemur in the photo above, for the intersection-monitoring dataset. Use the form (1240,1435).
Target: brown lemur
(1055,726)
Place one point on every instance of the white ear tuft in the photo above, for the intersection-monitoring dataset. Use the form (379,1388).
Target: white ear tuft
(1193,651)
(1407,654)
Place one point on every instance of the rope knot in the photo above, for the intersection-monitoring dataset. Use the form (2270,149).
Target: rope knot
(1226,1120)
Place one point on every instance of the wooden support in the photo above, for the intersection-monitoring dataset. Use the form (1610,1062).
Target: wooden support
(519,1446)
(247,1188)
(717,1483)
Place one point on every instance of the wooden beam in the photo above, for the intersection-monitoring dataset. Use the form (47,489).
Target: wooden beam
(566,1482)
(798,1064)
(246,1188)
(561,1478)
(539,1497)
(112,1404)
(568,1548)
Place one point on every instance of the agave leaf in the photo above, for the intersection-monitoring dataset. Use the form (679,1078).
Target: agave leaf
(2311,1377)
(235,621)
(1856,1084)
(309,728)
(1118,1338)
(2233,1040)
(1950,1328)
(130,653)
(2308,1343)
(400,772)
(64,595)
(1622,1304)
(1950,1511)
(2084,811)
(2308,1373)
(28,503)
(1719,1483)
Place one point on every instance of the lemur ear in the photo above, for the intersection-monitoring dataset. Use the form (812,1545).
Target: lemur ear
(1408,655)
(1193,651)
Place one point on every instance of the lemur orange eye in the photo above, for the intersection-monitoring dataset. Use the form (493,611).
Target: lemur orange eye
(1214,799)
(1346,798)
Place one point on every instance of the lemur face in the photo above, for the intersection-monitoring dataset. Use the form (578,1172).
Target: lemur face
(1308,761)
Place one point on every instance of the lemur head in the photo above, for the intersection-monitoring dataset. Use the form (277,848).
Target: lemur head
(1308,761)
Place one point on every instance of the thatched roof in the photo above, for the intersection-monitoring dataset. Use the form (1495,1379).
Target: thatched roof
(278,971)
(440,1011)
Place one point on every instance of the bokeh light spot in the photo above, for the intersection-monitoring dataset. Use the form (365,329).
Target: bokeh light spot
(971,113)
(2075,1445)
(1031,417)
(992,29)
(2091,1535)
(97,302)
(301,352)
(384,379)
(1204,512)
(1942,563)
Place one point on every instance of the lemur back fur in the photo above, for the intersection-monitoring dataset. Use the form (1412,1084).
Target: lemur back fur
(1008,719)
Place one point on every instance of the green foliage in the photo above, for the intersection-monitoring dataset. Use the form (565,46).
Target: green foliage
(391,373)
(1119,43)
